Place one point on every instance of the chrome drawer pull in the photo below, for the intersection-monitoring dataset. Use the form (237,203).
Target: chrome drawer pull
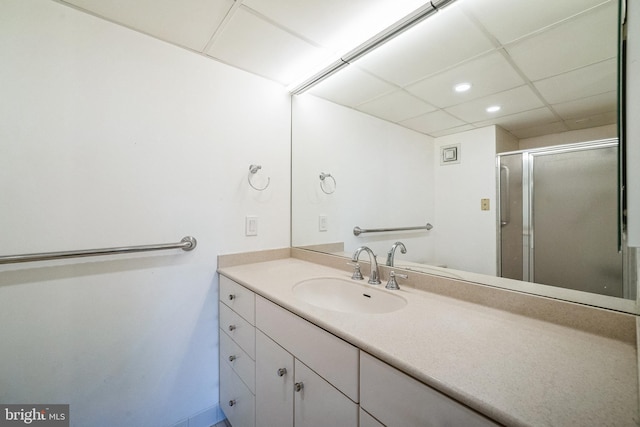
(232,297)
(231,328)
(232,402)
(232,358)
(298,386)
(282,372)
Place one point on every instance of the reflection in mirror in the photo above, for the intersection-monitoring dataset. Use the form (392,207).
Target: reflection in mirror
(410,148)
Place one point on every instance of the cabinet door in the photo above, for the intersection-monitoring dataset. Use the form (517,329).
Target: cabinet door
(318,403)
(274,383)
(329,356)
(396,399)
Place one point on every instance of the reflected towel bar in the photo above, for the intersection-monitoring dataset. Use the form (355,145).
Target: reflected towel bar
(187,244)
(357,230)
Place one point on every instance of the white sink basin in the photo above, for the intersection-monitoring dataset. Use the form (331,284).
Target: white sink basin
(347,296)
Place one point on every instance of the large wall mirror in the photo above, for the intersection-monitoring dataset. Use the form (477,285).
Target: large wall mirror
(435,125)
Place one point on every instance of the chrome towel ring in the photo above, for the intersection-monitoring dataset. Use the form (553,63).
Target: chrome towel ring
(323,176)
(253,169)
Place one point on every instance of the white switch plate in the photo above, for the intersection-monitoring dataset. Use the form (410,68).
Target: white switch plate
(322,223)
(251,226)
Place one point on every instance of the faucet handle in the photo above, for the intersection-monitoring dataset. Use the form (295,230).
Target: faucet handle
(392,283)
(357,274)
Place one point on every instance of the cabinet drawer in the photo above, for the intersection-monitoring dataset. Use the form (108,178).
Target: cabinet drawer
(235,358)
(318,403)
(332,358)
(238,329)
(396,399)
(238,298)
(236,400)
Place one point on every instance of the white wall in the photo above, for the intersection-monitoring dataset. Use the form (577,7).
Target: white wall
(465,236)
(384,179)
(111,138)
(505,141)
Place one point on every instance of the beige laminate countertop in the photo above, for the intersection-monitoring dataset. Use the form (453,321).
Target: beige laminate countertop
(515,369)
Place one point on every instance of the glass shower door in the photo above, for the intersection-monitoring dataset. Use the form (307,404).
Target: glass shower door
(511,225)
(574,225)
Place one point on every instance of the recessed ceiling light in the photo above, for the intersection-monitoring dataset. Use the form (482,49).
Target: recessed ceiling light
(462,87)
(493,108)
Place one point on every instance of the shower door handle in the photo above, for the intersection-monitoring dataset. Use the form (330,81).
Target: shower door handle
(505,203)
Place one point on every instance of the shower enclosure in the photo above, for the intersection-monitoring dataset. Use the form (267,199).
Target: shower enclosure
(559,217)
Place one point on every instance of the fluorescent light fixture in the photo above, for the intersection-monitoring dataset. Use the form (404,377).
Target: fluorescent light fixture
(462,87)
(298,87)
(374,42)
(493,108)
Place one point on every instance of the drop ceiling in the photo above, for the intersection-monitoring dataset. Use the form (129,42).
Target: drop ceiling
(551,65)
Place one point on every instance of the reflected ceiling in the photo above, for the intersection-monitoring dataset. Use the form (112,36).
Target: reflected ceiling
(550,65)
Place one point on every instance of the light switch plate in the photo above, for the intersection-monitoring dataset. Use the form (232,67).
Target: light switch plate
(251,226)
(484,204)
(322,223)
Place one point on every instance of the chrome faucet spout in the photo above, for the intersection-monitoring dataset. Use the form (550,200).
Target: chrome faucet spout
(374,277)
(392,252)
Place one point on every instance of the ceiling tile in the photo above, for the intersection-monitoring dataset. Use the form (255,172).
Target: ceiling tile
(591,80)
(488,74)
(589,106)
(539,116)
(593,121)
(441,41)
(509,20)
(540,130)
(434,122)
(351,87)
(189,23)
(396,106)
(578,42)
(251,43)
(511,101)
(335,24)
(451,131)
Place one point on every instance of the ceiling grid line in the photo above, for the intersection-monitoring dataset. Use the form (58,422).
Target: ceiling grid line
(225,21)
(410,79)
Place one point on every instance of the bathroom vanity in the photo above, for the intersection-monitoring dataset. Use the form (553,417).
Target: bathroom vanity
(451,353)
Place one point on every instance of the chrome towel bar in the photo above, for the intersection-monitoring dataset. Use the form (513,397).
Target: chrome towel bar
(357,230)
(187,244)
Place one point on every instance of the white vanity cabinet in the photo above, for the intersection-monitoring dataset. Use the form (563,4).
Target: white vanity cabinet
(237,353)
(279,370)
(397,400)
(320,383)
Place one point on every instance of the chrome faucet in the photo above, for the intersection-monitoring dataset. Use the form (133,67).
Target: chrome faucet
(374,277)
(392,252)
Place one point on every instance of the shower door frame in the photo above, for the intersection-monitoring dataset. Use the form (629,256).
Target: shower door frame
(528,233)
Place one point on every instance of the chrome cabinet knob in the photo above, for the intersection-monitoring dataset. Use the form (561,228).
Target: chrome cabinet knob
(298,386)
(232,358)
(232,328)
(282,372)
(232,297)
(232,402)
